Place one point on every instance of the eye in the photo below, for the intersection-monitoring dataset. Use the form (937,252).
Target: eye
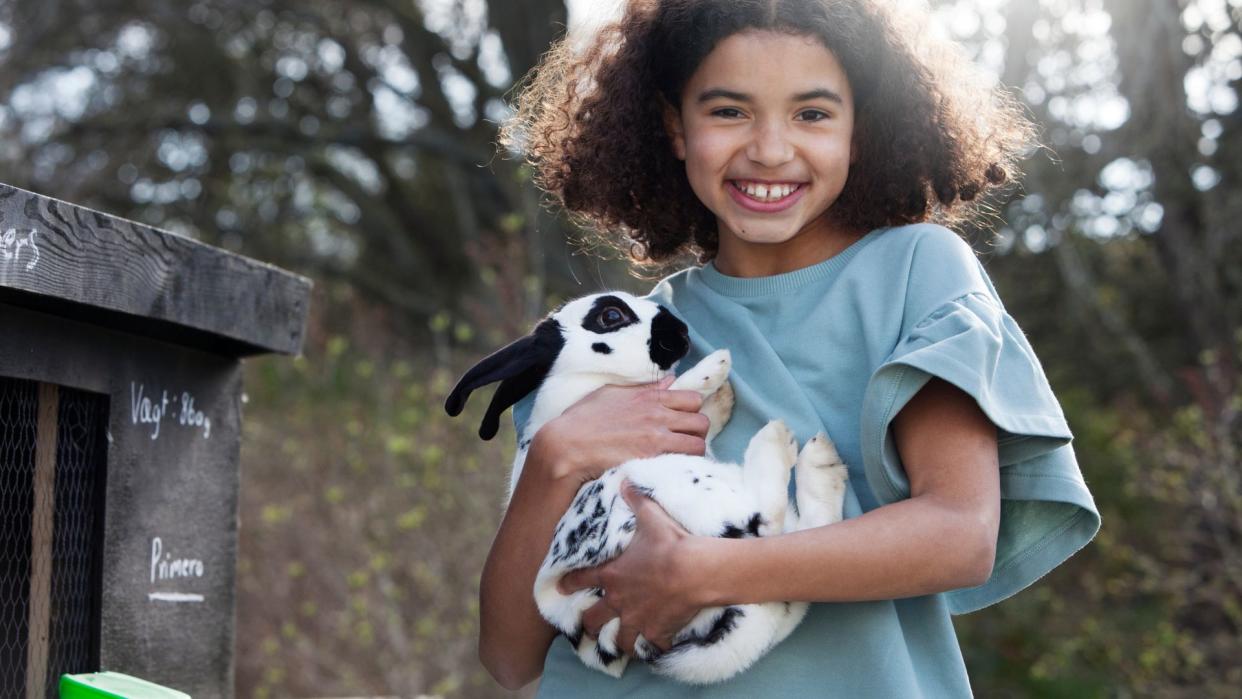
(611,317)
(813,115)
(727,113)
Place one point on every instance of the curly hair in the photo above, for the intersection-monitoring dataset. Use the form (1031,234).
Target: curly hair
(931,135)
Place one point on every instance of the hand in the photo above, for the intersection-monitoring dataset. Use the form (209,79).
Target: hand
(649,586)
(614,424)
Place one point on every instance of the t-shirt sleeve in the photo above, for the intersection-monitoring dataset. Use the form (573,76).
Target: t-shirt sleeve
(521,414)
(1047,513)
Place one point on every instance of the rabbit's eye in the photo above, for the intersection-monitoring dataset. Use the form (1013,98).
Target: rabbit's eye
(608,314)
(611,317)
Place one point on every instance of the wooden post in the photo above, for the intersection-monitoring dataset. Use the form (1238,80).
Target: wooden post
(41,542)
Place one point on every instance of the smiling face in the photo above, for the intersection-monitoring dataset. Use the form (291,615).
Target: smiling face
(765,128)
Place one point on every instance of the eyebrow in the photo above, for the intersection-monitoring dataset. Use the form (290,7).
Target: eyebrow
(721,93)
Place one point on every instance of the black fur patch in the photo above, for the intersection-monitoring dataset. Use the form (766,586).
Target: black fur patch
(670,339)
(604,656)
(725,623)
(732,531)
(648,651)
(609,314)
(601,348)
(752,527)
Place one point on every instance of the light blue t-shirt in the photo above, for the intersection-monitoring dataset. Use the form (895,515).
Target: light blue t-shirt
(841,346)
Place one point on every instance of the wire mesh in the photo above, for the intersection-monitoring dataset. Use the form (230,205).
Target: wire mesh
(77,547)
(75,539)
(19,403)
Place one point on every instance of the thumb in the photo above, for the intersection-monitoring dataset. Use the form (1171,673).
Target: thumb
(579,579)
(648,513)
(634,496)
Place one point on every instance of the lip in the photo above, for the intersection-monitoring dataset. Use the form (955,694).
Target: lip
(766,207)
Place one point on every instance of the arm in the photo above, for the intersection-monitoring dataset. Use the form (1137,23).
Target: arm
(609,426)
(943,537)
(513,638)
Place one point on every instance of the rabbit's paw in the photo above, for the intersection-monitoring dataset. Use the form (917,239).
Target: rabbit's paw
(718,407)
(774,445)
(706,376)
(822,478)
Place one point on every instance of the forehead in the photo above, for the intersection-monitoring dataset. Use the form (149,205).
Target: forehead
(769,64)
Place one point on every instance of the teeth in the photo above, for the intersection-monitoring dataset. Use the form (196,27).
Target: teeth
(766,192)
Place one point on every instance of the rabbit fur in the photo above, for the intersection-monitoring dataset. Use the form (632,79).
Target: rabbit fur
(616,338)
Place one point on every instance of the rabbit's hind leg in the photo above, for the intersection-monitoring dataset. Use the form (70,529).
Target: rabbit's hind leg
(821,476)
(765,473)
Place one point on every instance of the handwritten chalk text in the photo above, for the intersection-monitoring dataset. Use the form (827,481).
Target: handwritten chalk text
(13,242)
(165,567)
(150,410)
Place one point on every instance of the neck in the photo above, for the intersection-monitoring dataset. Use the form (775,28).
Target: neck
(736,257)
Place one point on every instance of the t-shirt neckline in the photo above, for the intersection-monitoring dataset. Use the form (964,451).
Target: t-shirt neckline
(785,281)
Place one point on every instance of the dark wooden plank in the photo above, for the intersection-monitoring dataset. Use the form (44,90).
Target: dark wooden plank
(61,253)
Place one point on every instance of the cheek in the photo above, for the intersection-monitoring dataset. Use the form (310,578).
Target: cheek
(832,157)
(707,153)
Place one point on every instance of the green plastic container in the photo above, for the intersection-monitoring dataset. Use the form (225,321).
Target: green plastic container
(113,685)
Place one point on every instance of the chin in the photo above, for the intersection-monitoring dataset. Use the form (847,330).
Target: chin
(759,236)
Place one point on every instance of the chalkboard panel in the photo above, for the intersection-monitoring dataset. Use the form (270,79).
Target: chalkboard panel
(79,263)
(170,522)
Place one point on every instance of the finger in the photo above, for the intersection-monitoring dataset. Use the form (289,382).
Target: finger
(678,443)
(685,401)
(666,381)
(641,505)
(594,618)
(646,509)
(694,424)
(580,579)
(625,640)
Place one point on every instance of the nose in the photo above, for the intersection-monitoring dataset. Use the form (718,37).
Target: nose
(770,145)
(668,346)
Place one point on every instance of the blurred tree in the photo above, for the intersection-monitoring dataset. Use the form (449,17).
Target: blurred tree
(1123,263)
(349,140)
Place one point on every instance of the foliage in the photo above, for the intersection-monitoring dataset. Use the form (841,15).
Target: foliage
(1151,607)
(366,514)
(344,140)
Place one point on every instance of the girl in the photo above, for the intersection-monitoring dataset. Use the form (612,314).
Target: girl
(803,150)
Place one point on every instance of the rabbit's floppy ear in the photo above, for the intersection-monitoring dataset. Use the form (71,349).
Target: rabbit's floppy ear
(520,366)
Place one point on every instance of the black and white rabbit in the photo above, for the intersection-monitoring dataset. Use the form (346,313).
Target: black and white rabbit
(616,338)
